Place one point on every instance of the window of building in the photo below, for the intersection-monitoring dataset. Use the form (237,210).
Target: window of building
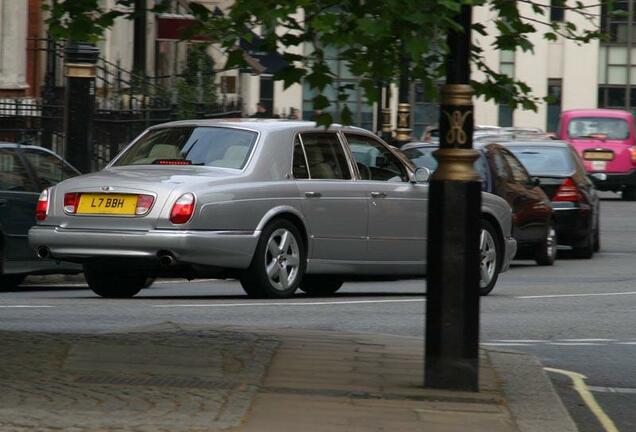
(425,111)
(554,105)
(506,66)
(557,10)
(361,109)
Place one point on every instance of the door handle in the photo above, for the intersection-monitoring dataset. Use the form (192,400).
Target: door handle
(3,202)
(378,195)
(313,194)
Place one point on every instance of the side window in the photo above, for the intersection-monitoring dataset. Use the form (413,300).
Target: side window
(13,174)
(50,169)
(374,160)
(299,166)
(325,156)
(519,173)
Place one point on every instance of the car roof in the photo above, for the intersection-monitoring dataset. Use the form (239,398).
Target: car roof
(4,144)
(260,125)
(595,112)
(414,145)
(535,143)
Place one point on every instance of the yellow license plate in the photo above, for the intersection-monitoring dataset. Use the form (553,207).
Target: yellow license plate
(598,155)
(110,204)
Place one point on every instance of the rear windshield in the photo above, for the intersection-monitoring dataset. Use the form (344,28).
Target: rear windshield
(210,146)
(595,127)
(545,160)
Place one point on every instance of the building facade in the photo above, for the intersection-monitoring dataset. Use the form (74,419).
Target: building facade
(576,76)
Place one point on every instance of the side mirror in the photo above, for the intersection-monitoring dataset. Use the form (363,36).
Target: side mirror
(421,175)
(535,181)
(599,176)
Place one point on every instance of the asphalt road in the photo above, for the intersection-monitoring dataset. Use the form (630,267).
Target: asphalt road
(577,316)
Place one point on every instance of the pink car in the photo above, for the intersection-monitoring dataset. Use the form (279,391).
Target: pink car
(605,140)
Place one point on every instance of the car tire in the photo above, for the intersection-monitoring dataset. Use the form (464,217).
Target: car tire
(546,251)
(11,280)
(629,193)
(586,251)
(123,283)
(316,285)
(490,257)
(278,264)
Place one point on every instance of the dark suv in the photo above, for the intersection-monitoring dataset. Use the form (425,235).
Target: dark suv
(24,172)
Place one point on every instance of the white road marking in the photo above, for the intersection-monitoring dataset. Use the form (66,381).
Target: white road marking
(575,343)
(621,390)
(291,303)
(626,343)
(577,295)
(586,340)
(520,340)
(501,344)
(25,306)
(578,382)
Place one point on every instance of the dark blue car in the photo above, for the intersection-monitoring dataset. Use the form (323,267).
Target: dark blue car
(24,172)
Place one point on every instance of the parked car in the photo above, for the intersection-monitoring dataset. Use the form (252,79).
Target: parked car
(431,133)
(24,172)
(533,223)
(605,139)
(277,204)
(574,198)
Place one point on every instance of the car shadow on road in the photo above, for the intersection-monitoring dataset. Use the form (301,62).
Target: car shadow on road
(37,288)
(340,295)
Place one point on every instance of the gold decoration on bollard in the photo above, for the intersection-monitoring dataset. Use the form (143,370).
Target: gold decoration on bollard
(456,133)
(386,120)
(456,157)
(403,131)
(456,164)
(80,70)
(457,95)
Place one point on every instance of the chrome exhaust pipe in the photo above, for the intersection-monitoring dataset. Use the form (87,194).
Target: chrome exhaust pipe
(166,259)
(43,252)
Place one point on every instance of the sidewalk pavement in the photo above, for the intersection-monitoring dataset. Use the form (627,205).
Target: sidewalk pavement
(176,377)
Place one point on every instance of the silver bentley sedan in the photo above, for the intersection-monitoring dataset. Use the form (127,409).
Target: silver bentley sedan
(280,205)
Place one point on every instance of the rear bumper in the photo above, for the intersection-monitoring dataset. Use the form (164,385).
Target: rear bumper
(229,249)
(573,224)
(615,181)
(510,249)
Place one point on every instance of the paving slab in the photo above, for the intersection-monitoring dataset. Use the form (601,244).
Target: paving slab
(177,377)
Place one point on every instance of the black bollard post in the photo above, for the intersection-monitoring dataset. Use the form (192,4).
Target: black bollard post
(79,104)
(452,306)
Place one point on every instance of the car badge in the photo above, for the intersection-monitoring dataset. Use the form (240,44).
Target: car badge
(107,188)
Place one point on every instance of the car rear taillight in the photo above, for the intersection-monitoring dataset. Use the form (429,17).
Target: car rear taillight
(568,191)
(71,200)
(182,209)
(144,204)
(42,207)
(632,152)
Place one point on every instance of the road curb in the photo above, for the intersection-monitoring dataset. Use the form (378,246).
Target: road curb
(529,393)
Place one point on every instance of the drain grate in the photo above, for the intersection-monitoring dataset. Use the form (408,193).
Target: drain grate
(189,382)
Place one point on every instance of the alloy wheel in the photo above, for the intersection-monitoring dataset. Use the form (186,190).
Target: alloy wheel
(488,262)
(282,259)
(551,242)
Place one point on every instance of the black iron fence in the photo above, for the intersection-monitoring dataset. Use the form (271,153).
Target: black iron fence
(125,105)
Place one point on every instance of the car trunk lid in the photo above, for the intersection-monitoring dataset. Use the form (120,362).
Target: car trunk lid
(165,184)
